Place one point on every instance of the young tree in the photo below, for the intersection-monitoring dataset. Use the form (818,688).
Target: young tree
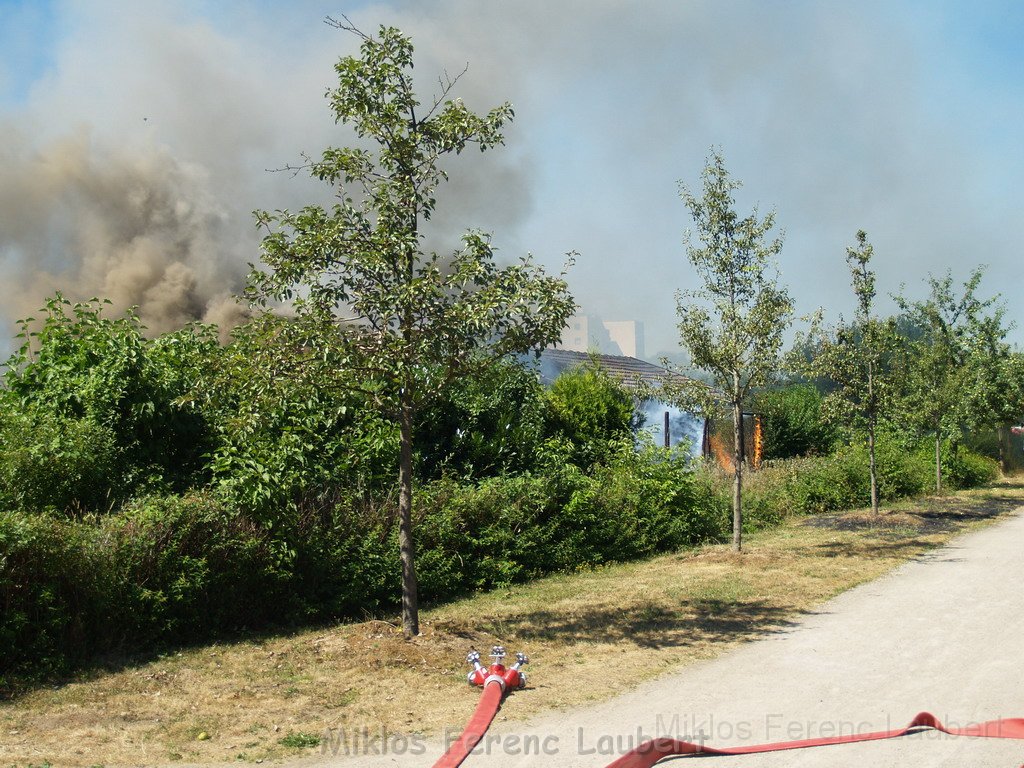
(733,326)
(994,380)
(408,320)
(955,347)
(858,360)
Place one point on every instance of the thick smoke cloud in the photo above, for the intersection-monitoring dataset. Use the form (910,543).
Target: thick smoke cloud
(132,168)
(133,225)
(840,116)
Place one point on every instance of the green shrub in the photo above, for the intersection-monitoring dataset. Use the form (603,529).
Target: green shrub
(49,578)
(486,424)
(516,527)
(792,423)
(187,567)
(345,557)
(841,480)
(592,412)
(166,570)
(52,462)
(81,370)
(289,428)
(964,468)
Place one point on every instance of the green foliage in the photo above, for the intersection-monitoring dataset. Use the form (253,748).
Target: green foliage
(591,412)
(164,570)
(53,462)
(410,320)
(179,569)
(289,423)
(640,503)
(512,528)
(862,362)
(962,374)
(966,469)
(45,567)
(488,424)
(732,327)
(190,567)
(84,374)
(793,423)
(410,317)
(816,484)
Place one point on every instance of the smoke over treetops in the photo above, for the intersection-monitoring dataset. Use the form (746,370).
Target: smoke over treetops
(838,116)
(131,224)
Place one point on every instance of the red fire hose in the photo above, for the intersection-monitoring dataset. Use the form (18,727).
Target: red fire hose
(496,680)
(650,752)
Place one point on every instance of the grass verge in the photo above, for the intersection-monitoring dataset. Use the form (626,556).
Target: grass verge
(271,698)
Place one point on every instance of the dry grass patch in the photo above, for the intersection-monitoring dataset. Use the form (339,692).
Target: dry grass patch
(616,626)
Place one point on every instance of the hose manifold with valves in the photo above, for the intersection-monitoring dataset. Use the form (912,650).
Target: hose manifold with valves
(510,678)
(496,680)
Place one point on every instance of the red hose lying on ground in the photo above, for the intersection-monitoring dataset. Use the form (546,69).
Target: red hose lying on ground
(475,728)
(496,678)
(650,752)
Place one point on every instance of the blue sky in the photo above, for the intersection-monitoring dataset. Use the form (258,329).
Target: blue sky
(137,138)
(27,37)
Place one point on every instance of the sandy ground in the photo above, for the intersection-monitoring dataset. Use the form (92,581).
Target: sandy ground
(943,633)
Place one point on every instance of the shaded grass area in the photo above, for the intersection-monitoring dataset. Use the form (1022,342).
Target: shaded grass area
(272,697)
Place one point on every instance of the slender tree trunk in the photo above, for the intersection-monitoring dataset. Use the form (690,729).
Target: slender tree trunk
(737,486)
(407,547)
(872,420)
(871,462)
(406,544)
(938,461)
(1004,454)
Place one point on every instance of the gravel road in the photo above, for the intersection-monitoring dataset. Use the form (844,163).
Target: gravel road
(943,633)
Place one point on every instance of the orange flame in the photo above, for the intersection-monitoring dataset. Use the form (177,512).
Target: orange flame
(758,443)
(721,453)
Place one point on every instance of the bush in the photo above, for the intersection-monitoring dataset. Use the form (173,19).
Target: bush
(50,462)
(290,427)
(792,423)
(187,567)
(963,468)
(345,557)
(592,412)
(512,528)
(83,371)
(166,570)
(841,481)
(171,570)
(48,583)
(487,424)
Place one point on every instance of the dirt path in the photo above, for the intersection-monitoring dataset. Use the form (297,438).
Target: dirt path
(943,633)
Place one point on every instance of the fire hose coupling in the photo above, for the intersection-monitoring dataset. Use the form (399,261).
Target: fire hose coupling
(509,678)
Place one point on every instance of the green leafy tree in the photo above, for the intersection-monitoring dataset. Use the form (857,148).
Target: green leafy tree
(482,425)
(793,423)
(1005,388)
(77,364)
(732,327)
(952,383)
(592,411)
(860,361)
(407,320)
(290,427)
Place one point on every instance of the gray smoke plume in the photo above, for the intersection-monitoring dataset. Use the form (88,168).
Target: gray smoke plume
(130,224)
(839,116)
